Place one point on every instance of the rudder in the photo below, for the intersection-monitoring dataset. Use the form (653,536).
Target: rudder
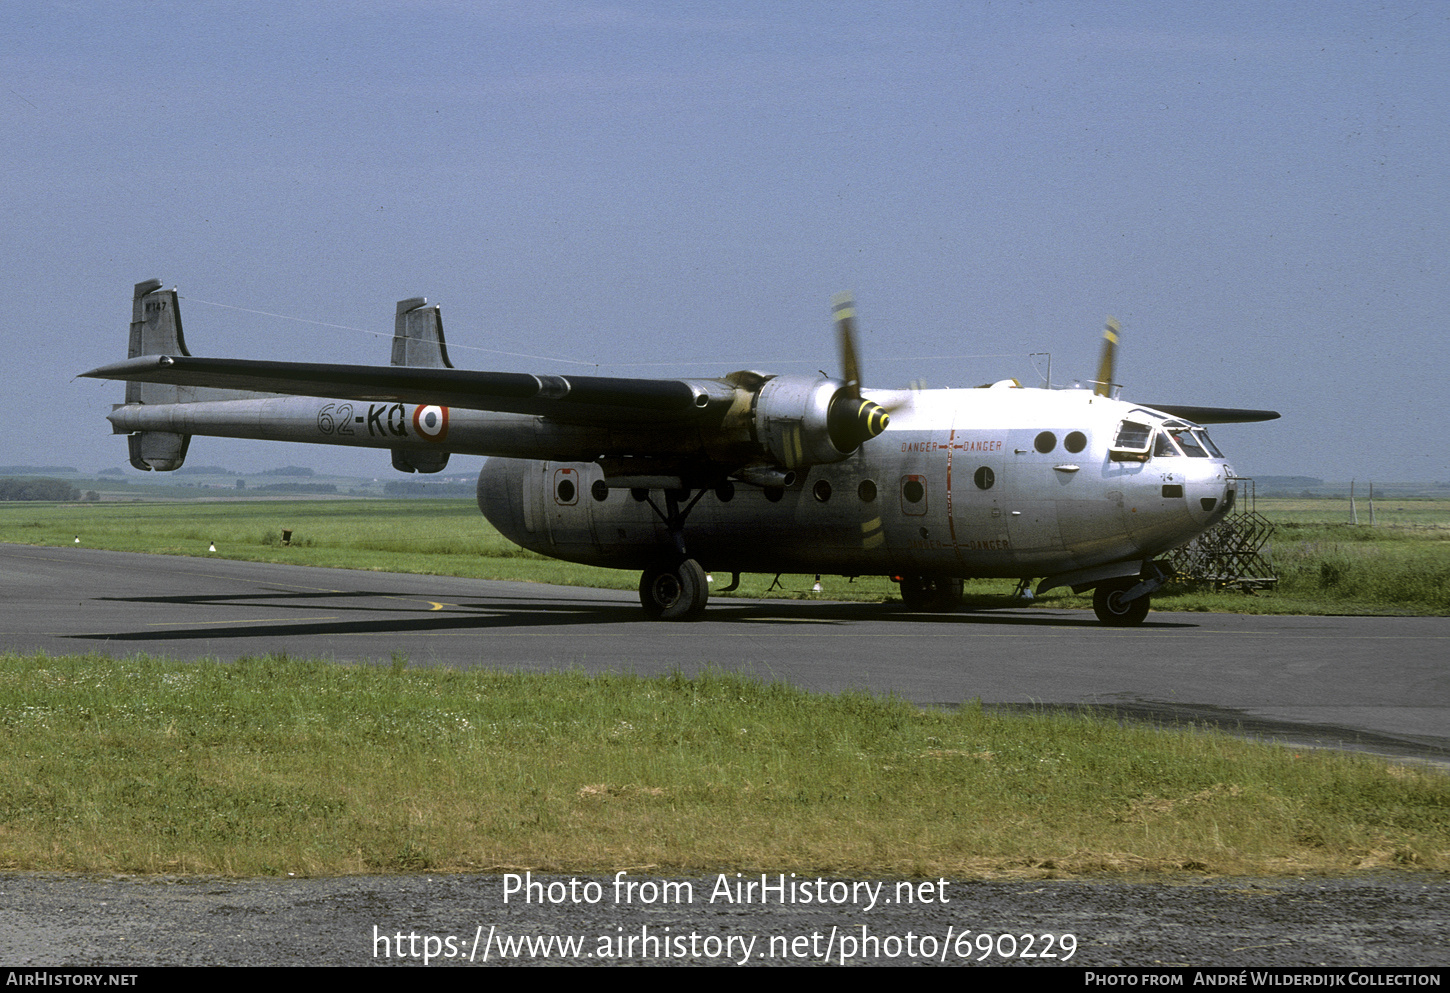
(156,330)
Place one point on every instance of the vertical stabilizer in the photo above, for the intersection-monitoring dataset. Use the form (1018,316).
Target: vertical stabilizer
(156,330)
(155,321)
(418,336)
(418,342)
(159,450)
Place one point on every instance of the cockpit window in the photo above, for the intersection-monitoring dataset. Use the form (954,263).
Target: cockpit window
(1131,443)
(1163,447)
(1188,443)
(1133,436)
(1202,436)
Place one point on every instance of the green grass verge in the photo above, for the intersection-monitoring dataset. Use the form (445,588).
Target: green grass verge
(275,765)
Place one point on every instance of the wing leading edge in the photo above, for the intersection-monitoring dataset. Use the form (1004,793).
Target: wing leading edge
(1215,415)
(565,398)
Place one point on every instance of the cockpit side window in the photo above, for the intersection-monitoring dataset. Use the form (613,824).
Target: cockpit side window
(1132,441)
(1163,447)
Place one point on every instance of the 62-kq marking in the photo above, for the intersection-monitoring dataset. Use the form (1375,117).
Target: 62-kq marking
(383,420)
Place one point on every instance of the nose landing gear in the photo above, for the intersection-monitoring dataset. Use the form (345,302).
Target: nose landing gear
(1123,603)
(1112,607)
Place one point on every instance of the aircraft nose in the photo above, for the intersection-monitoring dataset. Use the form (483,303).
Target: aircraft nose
(1211,494)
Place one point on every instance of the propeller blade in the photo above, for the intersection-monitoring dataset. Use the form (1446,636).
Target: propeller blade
(1104,386)
(843,308)
(852,421)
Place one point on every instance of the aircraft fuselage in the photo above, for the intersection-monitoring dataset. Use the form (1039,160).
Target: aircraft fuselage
(964,483)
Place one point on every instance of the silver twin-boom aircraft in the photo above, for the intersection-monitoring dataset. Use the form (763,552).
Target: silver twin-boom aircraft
(750,472)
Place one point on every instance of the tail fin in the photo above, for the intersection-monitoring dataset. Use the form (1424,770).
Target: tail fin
(418,336)
(156,330)
(418,342)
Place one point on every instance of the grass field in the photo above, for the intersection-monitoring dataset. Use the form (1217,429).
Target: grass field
(275,765)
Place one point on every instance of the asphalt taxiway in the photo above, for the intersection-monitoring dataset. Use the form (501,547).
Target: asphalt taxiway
(1378,683)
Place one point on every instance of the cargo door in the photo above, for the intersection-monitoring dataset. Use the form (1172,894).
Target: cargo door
(976,481)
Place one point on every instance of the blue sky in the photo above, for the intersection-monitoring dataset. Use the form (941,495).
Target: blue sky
(1258,192)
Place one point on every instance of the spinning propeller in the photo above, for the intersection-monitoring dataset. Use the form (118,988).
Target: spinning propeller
(1103,387)
(852,421)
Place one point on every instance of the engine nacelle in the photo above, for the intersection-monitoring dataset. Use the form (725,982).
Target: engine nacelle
(804,422)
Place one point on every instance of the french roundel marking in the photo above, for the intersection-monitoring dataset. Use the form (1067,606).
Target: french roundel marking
(431,423)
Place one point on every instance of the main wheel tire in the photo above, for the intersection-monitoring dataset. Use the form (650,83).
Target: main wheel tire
(674,591)
(1115,612)
(931,593)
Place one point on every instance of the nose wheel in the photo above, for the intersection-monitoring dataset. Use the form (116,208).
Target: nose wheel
(674,590)
(1114,610)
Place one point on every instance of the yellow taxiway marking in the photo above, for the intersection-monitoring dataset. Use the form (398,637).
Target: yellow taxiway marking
(432,604)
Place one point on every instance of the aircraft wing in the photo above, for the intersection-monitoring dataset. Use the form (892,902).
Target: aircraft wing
(1214,415)
(581,399)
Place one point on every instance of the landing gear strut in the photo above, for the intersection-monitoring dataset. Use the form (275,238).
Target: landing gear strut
(1123,603)
(931,593)
(674,587)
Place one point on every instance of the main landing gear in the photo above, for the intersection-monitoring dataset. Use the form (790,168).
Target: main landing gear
(930,593)
(674,590)
(674,587)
